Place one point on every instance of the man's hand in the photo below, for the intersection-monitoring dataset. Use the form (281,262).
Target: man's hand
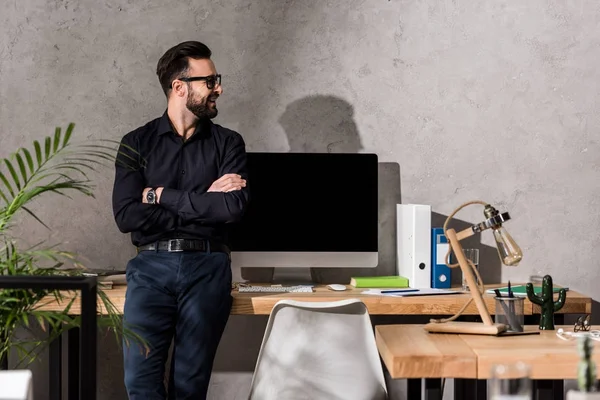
(228,183)
(158,193)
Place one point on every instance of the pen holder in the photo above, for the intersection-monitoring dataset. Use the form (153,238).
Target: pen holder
(509,311)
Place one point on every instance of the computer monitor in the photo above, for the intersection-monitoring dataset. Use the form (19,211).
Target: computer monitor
(309,210)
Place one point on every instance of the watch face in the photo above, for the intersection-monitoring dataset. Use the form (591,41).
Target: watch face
(151,197)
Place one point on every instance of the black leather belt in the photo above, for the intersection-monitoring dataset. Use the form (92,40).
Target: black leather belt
(178,245)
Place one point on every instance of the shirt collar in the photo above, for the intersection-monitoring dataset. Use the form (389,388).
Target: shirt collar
(164,126)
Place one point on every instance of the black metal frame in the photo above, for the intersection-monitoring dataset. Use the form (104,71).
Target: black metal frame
(88,286)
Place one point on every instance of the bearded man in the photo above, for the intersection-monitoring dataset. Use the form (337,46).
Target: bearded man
(179,180)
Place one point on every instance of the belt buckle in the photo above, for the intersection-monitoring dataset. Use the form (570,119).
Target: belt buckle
(170,244)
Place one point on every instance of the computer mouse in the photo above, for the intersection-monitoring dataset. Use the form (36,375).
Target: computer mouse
(337,287)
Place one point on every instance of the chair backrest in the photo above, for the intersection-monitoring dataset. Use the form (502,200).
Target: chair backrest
(319,350)
(16,385)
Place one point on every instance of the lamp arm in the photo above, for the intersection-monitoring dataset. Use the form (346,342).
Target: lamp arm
(465,233)
(466,267)
(462,234)
(467,271)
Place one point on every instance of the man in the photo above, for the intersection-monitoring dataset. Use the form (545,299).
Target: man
(179,180)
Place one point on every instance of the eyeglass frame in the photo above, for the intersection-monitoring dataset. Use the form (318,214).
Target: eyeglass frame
(211,78)
(582,323)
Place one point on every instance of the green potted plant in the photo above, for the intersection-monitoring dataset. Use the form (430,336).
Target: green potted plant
(53,166)
(586,372)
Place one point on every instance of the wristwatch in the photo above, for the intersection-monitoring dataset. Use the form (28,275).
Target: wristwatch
(151,196)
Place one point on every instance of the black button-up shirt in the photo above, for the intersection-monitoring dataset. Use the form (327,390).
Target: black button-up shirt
(155,156)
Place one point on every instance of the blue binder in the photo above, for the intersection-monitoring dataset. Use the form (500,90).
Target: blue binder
(441,277)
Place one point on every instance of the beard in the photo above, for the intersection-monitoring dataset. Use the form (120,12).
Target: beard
(200,107)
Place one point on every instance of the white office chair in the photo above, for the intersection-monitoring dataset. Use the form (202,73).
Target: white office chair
(318,350)
(16,385)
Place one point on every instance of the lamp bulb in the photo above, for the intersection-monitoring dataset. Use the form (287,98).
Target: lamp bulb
(508,250)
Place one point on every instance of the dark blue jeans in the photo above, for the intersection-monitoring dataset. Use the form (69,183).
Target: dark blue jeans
(185,297)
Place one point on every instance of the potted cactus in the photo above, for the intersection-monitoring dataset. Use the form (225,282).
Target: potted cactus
(586,373)
(546,301)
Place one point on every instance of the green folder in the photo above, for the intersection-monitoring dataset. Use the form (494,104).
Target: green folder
(379,282)
(521,291)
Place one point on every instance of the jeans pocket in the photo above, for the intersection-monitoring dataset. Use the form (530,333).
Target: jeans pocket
(131,269)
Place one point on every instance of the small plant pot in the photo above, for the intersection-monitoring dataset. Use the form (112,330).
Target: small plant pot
(577,395)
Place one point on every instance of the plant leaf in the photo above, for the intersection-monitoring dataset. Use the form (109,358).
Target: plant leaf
(13,173)
(56,139)
(29,160)
(7,184)
(22,168)
(68,134)
(38,152)
(47,146)
(28,211)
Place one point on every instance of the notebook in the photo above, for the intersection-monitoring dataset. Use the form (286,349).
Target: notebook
(379,282)
(521,291)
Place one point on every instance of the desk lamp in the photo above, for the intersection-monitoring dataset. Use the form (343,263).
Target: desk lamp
(510,255)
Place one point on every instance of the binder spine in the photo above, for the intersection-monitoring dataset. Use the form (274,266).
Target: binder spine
(441,277)
(414,244)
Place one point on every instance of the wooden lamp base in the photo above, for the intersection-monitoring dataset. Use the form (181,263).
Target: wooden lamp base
(473,328)
(487,326)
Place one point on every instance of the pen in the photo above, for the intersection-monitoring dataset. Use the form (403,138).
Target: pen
(512,303)
(400,291)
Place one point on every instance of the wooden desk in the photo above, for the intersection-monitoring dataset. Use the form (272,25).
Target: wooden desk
(262,303)
(409,352)
(549,356)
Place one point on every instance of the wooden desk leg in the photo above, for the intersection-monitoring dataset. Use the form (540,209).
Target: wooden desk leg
(475,389)
(414,388)
(545,389)
(433,389)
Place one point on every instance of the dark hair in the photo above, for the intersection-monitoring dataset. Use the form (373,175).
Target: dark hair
(174,63)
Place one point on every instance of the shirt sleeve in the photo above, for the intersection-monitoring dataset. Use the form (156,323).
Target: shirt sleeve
(213,207)
(129,211)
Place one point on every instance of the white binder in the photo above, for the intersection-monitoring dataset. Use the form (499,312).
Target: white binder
(413,232)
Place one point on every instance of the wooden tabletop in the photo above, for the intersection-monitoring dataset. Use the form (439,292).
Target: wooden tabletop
(262,303)
(548,356)
(409,351)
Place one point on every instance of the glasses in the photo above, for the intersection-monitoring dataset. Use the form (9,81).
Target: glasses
(582,324)
(211,80)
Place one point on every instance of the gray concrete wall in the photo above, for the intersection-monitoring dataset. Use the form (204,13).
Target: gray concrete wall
(462,100)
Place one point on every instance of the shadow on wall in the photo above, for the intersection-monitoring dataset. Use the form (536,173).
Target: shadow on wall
(321,124)
(325,124)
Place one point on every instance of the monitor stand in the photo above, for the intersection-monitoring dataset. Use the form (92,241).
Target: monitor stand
(292,276)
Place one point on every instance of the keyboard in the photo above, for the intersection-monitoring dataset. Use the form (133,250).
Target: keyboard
(275,289)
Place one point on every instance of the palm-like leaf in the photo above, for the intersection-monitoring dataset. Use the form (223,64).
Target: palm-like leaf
(58,167)
(55,165)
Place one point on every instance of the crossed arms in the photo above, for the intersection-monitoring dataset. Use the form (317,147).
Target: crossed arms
(223,202)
